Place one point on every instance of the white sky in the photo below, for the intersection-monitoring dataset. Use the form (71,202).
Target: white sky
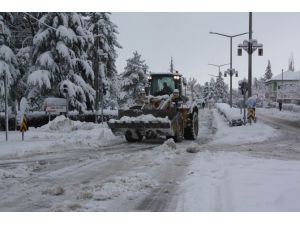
(185,36)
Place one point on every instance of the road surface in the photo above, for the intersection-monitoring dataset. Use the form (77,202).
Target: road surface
(121,177)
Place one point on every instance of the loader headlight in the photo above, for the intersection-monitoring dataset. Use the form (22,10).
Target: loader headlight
(176,77)
(149,78)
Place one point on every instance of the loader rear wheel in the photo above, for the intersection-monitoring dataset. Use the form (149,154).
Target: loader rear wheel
(129,137)
(191,132)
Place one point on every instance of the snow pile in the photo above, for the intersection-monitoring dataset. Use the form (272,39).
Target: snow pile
(167,145)
(19,171)
(126,186)
(80,133)
(286,115)
(142,118)
(61,123)
(193,148)
(58,135)
(234,182)
(229,113)
(257,132)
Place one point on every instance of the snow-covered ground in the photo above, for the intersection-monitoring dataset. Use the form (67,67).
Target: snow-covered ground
(223,180)
(284,114)
(76,166)
(58,135)
(257,132)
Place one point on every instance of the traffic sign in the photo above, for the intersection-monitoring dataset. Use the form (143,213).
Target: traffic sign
(23,126)
(251,115)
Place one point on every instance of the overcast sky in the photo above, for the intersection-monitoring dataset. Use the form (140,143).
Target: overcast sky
(185,36)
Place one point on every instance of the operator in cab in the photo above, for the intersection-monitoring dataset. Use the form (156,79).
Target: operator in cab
(166,90)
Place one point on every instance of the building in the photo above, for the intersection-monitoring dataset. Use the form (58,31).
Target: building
(285,86)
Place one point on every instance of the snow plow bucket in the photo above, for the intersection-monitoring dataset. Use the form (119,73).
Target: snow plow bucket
(139,123)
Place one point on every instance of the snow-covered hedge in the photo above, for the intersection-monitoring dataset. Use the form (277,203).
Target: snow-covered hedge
(40,118)
(286,106)
(232,115)
(291,107)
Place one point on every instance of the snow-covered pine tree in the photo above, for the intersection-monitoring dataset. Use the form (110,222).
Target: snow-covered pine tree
(133,79)
(291,63)
(99,23)
(6,19)
(212,89)
(199,92)
(259,89)
(60,58)
(221,90)
(191,86)
(268,74)
(206,91)
(8,61)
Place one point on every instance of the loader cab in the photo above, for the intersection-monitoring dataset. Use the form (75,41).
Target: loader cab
(164,83)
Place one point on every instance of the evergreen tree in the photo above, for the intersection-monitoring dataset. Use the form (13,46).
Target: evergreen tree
(291,63)
(221,90)
(133,79)
(6,20)
(60,59)
(212,89)
(268,74)
(191,86)
(206,91)
(8,61)
(99,23)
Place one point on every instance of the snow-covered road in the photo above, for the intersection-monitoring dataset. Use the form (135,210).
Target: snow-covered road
(237,169)
(261,175)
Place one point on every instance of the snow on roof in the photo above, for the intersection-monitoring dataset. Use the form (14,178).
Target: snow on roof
(287,75)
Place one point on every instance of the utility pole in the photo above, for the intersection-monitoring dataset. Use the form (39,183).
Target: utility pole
(250,46)
(5,77)
(101,92)
(6,105)
(96,70)
(230,71)
(171,65)
(250,57)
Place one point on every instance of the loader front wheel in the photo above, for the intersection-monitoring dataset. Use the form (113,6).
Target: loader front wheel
(179,129)
(191,132)
(129,137)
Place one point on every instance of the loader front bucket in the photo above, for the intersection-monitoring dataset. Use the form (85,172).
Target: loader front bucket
(149,123)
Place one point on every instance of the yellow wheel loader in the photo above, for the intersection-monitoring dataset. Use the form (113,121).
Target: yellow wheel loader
(161,110)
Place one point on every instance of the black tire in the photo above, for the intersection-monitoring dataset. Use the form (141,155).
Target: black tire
(129,138)
(191,132)
(179,131)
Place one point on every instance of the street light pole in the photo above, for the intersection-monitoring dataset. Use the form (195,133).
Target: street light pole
(250,46)
(219,67)
(250,57)
(231,69)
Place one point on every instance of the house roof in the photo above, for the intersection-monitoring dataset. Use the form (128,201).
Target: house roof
(287,75)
